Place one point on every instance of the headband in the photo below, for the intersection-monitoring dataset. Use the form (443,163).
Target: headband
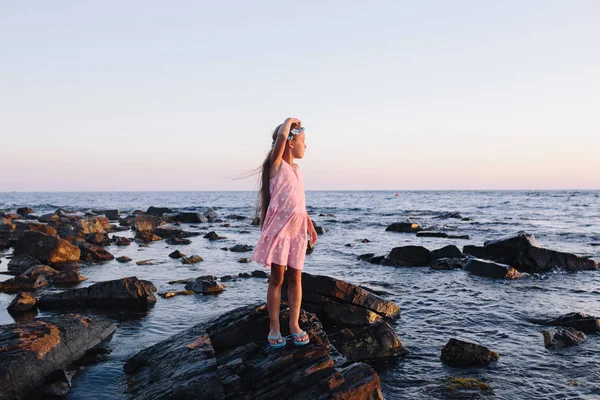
(293,133)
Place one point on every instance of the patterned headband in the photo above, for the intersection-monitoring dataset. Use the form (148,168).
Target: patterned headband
(293,133)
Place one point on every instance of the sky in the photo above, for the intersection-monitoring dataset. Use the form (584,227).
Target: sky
(394,95)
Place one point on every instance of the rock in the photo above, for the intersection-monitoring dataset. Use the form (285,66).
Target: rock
(475,251)
(112,215)
(176,254)
(98,239)
(450,251)
(147,262)
(458,353)
(375,342)
(158,211)
(126,292)
(146,237)
(188,280)
(93,253)
(447,215)
(167,295)
(192,260)
(408,256)
(205,287)
(24,211)
(177,241)
(22,226)
(22,302)
(43,270)
(405,227)
(45,248)
(240,248)
(211,213)
(446,264)
(491,269)
(67,278)
(213,236)
(466,237)
(341,303)
(19,264)
(146,223)
(123,259)
(244,260)
(523,252)
(40,347)
(121,241)
(577,320)
(255,221)
(229,358)
(192,218)
(432,234)
(371,258)
(85,226)
(259,274)
(558,338)
(23,282)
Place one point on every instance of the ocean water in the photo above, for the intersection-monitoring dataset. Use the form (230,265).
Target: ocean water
(435,305)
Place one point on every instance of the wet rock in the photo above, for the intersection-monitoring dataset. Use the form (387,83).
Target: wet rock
(446,264)
(45,248)
(447,215)
(176,254)
(146,237)
(191,260)
(236,217)
(458,353)
(450,251)
(375,342)
(241,248)
(126,292)
(85,226)
(147,262)
(24,211)
(21,303)
(491,269)
(146,223)
(43,270)
(177,241)
(170,294)
(524,253)
(93,253)
(475,251)
(211,213)
(466,237)
(112,215)
(578,320)
(408,256)
(22,226)
(371,258)
(205,287)
(229,358)
(98,239)
(158,211)
(212,235)
(227,278)
(192,217)
(40,347)
(19,264)
(319,229)
(432,234)
(244,260)
(123,259)
(23,282)
(341,303)
(187,280)
(67,278)
(121,241)
(405,227)
(558,338)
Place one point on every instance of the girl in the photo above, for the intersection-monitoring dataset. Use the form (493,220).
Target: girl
(284,224)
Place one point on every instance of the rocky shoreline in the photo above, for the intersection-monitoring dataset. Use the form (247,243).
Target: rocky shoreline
(350,327)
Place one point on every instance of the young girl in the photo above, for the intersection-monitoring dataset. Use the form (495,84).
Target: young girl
(284,223)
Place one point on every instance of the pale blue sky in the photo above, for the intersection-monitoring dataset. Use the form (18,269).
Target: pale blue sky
(394,95)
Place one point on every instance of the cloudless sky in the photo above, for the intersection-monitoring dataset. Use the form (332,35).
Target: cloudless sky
(398,95)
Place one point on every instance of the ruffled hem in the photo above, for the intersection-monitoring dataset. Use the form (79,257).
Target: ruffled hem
(281,251)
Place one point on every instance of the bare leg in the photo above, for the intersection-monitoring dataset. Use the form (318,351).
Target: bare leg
(294,278)
(274,298)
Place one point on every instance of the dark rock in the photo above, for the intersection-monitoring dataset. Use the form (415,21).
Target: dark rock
(146,223)
(577,320)
(450,251)
(112,215)
(365,241)
(22,302)
(244,275)
(459,353)
(177,241)
(123,259)
(146,237)
(24,211)
(158,211)
(446,264)
(408,256)
(240,248)
(174,293)
(523,252)
(405,227)
(85,226)
(236,217)
(23,282)
(375,342)
(466,237)
(211,213)
(45,248)
(371,258)
(126,292)
(447,215)
(491,269)
(558,338)
(176,254)
(22,226)
(244,260)
(229,358)
(192,260)
(67,278)
(19,264)
(121,241)
(40,347)
(259,274)
(227,278)
(212,235)
(192,218)
(204,286)
(98,239)
(93,253)
(255,221)
(432,234)
(475,251)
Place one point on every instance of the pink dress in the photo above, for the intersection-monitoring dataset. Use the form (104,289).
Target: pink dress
(283,239)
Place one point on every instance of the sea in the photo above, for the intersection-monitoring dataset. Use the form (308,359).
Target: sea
(435,305)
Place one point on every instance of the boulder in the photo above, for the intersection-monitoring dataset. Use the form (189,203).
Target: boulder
(450,251)
(211,213)
(475,251)
(22,226)
(371,258)
(126,292)
(112,215)
(408,256)
(40,347)
(98,239)
(577,320)
(121,241)
(458,353)
(146,237)
(432,234)
(158,211)
(191,260)
(205,286)
(212,235)
(93,253)
(88,225)
(45,248)
(491,269)
(146,223)
(229,358)
(67,278)
(405,227)
(21,303)
(192,218)
(176,254)
(558,338)
(177,241)
(123,259)
(524,253)
(24,211)
(23,282)
(19,264)
(375,342)
(241,248)
(447,264)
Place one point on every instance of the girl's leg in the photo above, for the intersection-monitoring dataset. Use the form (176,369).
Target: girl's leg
(274,298)
(294,279)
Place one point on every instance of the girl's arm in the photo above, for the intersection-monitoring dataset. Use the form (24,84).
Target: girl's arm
(282,135)
(311,231)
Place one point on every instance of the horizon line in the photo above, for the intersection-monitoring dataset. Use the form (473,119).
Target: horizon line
(308,190)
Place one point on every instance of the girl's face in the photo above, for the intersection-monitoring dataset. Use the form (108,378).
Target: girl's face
(298,146)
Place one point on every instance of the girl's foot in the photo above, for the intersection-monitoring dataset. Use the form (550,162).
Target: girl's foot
(300,337)
(275,339)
